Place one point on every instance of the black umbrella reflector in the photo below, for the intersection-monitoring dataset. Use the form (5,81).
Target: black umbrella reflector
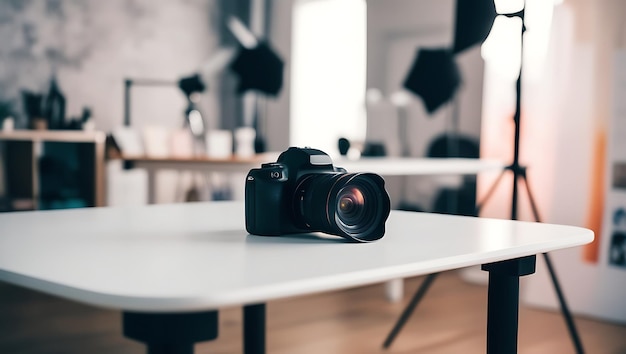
(474,19)
(259,68)
(434,76)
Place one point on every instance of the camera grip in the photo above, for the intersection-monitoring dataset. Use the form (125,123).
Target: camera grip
(264,200)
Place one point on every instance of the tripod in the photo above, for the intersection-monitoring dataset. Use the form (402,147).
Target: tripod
(519,175)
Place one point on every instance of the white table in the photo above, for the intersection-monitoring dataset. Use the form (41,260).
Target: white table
(386,166)
(165,264)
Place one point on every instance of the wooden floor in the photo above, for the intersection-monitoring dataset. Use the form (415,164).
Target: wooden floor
(451,319)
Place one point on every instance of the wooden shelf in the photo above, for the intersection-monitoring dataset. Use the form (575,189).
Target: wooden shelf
(70,136)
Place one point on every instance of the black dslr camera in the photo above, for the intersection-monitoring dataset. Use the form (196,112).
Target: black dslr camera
(304,192)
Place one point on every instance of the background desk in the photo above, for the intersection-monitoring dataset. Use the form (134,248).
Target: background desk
(392,166)
(196,257)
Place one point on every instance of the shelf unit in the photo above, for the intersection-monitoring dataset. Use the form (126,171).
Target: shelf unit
(28,144)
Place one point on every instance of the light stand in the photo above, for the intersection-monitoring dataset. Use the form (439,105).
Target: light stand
(519,174)
(190,86)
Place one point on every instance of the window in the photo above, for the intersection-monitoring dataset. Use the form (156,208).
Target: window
(328,73)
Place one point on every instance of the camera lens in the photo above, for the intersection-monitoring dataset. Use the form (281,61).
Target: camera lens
(351,211)
(347,204)
(351,205)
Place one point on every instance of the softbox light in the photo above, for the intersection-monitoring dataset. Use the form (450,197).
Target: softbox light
(259,68)
(474,19)
(434,76)
(191,84)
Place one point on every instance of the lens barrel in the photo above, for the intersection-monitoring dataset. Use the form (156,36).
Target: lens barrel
(351,205)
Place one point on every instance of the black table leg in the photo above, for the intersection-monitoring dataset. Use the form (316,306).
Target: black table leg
(170,333)
(503,302)
(254,329)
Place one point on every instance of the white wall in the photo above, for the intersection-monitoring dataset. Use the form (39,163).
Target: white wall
(396,29)
(277,117)
(390,22)
(567,115)
(96,44)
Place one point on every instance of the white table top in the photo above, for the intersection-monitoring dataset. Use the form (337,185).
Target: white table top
(198,256)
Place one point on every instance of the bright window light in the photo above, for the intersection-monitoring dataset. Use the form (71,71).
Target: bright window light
(539,22)
(328,73)
(502,50)
(508,6)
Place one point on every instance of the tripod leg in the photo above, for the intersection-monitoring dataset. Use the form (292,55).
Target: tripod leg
(564,309)
(531,199)
(490,192)
(557,287)
(410,308)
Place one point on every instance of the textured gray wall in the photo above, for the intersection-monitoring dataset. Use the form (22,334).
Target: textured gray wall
(93,45)
(277,108)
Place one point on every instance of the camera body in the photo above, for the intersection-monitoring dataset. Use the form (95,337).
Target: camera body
(304,192)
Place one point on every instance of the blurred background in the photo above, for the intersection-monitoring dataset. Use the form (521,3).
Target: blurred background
(130,102)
